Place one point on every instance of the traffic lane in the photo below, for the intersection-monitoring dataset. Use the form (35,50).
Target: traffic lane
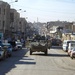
(57,51)
(59,58)
(53,65)
(9,63)
(44,65)
(39,64)
(59,55)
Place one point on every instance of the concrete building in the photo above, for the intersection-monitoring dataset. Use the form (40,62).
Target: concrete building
(4,17)
(22,27)
(14,20)
(69,26)
(66,34)
(73,27)
(22,24)
(53,31)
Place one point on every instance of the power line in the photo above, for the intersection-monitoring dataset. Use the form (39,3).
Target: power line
(49,11)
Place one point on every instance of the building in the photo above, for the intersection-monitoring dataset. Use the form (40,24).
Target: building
(69,26)
(14,23)
(73,27)
(66,34)
(14,20)
(22,26)
(4,17)
(53,31)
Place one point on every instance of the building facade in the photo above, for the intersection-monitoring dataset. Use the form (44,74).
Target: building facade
(4,17)
(14,20)
(22,26)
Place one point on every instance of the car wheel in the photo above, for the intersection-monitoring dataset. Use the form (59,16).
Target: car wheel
(30,52)
(46,52)
(71,56)
(6,55)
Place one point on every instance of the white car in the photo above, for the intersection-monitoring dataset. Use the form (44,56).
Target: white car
(70,47)
(65,44)
(18,45)
(72,54)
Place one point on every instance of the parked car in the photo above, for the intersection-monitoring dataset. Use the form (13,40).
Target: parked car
(19,45)
(65,44)
(72,54)
(56,42)
(3,52)
(9,48)
(71,50)
(70,47)
(13,44)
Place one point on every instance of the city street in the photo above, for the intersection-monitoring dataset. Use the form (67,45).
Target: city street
(57,62)
(39,24)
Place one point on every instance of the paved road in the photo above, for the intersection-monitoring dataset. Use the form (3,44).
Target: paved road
(57,62)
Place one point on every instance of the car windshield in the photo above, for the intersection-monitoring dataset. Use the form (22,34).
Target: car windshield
(6,44)
(73,49)
(18,43)
(70,42)
(73,44)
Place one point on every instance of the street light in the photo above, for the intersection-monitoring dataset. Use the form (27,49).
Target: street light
(21,10)
(13,1)
(16,0)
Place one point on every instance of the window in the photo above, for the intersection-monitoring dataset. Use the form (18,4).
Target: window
(0,22)
(4,11)
(0,10)
(11,17)
(3,26)
(3,23)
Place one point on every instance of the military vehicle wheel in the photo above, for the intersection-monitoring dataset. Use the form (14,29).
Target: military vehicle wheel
(46,52)
(30,52)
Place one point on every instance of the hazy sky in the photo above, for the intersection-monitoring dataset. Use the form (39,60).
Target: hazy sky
(45,10)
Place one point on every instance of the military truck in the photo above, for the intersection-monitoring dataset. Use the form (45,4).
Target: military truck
(40,45)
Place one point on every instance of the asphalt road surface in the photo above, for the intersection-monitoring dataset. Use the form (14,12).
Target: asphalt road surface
(57,62)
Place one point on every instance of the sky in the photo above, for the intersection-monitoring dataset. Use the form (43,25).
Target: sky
(45,10)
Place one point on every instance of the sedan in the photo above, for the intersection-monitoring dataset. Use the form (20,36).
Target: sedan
(3,52)
(18,45)
(9,48)
(72,54)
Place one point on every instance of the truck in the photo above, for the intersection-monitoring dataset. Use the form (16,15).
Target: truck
(41,45)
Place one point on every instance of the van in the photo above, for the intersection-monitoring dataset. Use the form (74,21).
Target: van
(66,44)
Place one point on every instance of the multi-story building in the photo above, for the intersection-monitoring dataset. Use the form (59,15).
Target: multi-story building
(10,21)
(14,20)
(73,27)
(22,26)
(69,26)
(4,17)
